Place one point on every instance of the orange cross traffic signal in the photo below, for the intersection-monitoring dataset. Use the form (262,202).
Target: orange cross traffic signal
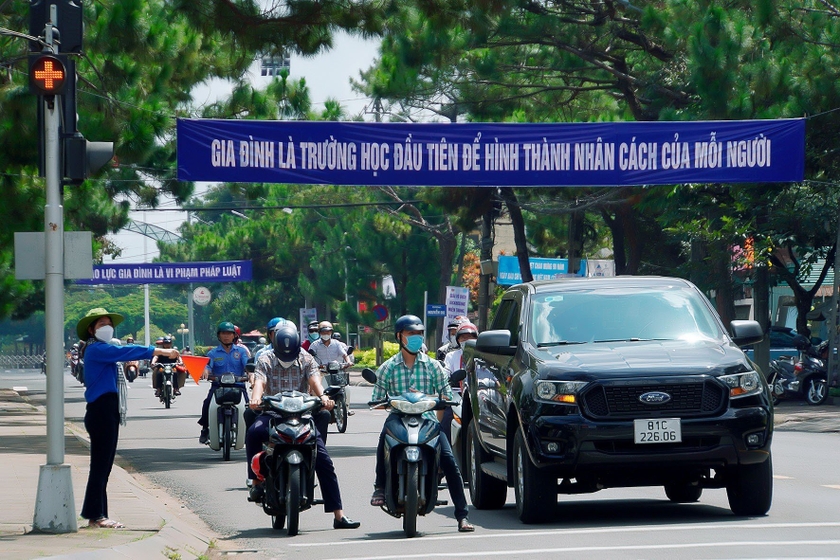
(47,74)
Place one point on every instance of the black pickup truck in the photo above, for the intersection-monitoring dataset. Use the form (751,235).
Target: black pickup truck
(593,383)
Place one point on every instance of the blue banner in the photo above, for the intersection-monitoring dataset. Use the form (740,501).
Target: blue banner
(560,154)
(541,269)
(170,273)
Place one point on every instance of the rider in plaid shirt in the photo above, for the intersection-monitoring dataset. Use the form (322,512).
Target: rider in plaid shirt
(412,370)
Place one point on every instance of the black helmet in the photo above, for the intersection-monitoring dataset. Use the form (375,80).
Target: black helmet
(409,323)
(286,342)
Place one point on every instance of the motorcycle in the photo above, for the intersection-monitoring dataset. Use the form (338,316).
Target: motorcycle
(167,385)
(287,462)
(337,379)
(805,378)
(132,370)
(77,368)
(227,407)
(412,454)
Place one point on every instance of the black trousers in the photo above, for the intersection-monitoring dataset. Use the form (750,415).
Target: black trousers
(102,422)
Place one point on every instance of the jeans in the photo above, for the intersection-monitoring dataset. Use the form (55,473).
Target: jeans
(447,464)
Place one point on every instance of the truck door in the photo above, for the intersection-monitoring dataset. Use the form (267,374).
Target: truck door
(494,374)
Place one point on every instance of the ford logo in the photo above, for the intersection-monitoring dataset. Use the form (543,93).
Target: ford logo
(655,397)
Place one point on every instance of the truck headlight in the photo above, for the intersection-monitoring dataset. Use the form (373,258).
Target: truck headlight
(558,391)
(742,384)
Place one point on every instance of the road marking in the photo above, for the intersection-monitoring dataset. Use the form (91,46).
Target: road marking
(602,530)
(782,477)
(567,549)
(20,389)
(834,486)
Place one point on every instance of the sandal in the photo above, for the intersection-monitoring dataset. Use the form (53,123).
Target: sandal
(378,498)
(464,526)
(105,523)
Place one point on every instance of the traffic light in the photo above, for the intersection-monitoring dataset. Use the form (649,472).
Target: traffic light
(47,74)
(83,158)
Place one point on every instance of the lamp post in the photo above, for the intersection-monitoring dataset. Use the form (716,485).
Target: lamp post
(183,331)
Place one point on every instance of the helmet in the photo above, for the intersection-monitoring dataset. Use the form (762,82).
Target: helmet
(263,340)
(456,322)
(237,331)
(313,326)
(286,342)
(325,326)
(466,328)
(273,322)
(337,336)
(408,323)
(76,345)
(225,326)
(129,339)
(159,341)
(167,340)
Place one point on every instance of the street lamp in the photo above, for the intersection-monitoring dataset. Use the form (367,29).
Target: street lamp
(183,331)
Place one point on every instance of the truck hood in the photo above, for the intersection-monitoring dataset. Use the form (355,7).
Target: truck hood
(645,358)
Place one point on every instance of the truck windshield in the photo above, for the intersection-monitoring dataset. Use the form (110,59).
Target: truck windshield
(621,314)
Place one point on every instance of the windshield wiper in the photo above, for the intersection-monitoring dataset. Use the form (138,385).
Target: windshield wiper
(557,343)
(631,339)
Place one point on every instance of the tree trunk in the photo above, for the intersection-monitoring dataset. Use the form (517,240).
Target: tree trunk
(518,223)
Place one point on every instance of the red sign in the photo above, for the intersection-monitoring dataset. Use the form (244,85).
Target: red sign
(47,75)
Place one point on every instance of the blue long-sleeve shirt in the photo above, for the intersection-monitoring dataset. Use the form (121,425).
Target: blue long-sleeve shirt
(101,366)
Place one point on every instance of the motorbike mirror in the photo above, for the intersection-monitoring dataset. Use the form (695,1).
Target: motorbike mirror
(369,375)
(350,350)
(457,376)
(800,342)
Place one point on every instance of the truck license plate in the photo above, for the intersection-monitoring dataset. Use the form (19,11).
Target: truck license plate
(657,430)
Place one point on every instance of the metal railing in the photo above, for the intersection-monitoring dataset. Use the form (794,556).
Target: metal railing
(20,361)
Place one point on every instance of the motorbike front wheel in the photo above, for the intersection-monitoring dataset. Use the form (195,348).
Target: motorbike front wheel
(293,500)
(816,391)
(226,439)
(340,412)
(412,499)
(167,395)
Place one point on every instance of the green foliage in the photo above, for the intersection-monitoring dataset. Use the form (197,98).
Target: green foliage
(367,358)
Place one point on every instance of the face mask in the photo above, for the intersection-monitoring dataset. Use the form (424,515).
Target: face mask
(285,364)
(452,340)
(313,336)
(326,337)
(104,333)
(414,343)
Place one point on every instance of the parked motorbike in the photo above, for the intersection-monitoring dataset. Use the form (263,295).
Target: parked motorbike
(287,462)
(167,373)
(227,407)
(412,455)
(338,379)
(805,377)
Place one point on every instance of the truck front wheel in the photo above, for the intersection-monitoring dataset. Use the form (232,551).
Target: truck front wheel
(536,489)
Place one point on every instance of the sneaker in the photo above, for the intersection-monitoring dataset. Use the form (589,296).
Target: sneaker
(204,438)
(256,493)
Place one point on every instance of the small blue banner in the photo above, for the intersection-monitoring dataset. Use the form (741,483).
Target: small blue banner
(435,310)
(170,273)
(490,154)
(541,269)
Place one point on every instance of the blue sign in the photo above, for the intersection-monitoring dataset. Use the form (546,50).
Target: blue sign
(557,154)
(170,273)
(541,269)
(435,310)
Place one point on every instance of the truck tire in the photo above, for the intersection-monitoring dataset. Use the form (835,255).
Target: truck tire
(536,489)
(750,488)
(486,492)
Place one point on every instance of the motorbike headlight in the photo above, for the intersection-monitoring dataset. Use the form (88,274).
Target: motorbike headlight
(293,404)
(418,407)
(228,379)
(558,391)
(742,384)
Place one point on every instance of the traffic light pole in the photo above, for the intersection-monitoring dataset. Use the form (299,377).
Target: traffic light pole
(55,506)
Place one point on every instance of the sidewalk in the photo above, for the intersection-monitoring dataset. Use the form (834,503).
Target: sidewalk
(157,524)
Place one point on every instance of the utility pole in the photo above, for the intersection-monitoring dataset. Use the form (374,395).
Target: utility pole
(55,506)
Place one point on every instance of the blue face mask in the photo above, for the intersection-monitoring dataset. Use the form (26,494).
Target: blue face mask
(313,336)
(414,343)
